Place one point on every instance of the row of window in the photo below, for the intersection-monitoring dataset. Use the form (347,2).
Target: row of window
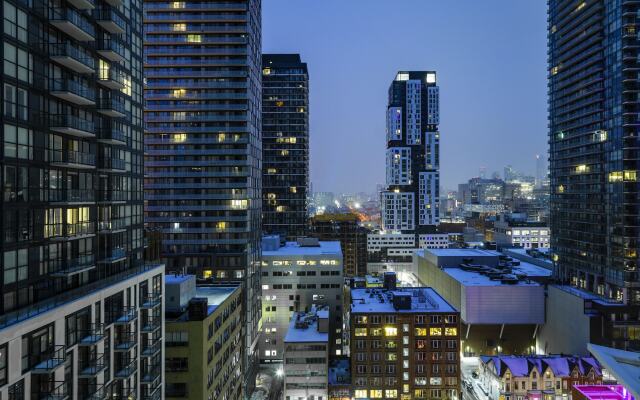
(418,319)
(392,331)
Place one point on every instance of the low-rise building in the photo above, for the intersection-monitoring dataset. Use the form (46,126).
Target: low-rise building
(306,355)
(203,347)
(501,300)
(295,276)
(536,377)
(515,230)
(405,343)
(340,379)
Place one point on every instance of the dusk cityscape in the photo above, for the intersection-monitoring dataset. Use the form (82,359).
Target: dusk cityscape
(320,200)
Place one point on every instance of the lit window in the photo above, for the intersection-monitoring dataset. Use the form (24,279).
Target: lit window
(179,92)
(266,71)
(178,4)
(375,393)
(421,331)
(450,331)
(361,332)
(630,175)
(581,168)
(265,287)
(390,331)
(431,78)
(180,137)
(239,204)
(391,393)
(615,176)
(435,331)
(221,226)
(361,393)
(194,38)
(207,273)
(179,27)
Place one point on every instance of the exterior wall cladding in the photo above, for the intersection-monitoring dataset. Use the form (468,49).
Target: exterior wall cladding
(411,202)
(285,145)
(73,278)
(203,144)
(593,103)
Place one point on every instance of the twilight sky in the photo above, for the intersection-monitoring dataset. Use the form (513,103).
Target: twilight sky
(490,56)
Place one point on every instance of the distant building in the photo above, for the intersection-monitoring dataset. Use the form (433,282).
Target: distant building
(306,355)
(285,145)
(536,377)
(296,276)
(411,201)
(352,236)
(340,379)
(404,342)
(515,230)
(501,300)
(203,347)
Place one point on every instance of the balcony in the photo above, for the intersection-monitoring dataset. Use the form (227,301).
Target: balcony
(112,225)
(151,393)
(70,231)
(75,266)
(72,159)
(112,135)
(151,348)
(72,57)
(125,369)
(150,375)
(112,164)
(92,335)
(72,23)
(111,107)
(125,341)
(48,361)
(93,391)
(57,391)
(151,300)
(111,77)
(122,317)
(110,21)
(83,4)
(150,324)
(111,49)
(72,91)
(91,367)
(114,256)
(72,196)
(114,3)
(111,196)
(72,125)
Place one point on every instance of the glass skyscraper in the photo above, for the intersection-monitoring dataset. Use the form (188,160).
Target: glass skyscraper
(285,145)
(203,144)
(75,291)
(594,159)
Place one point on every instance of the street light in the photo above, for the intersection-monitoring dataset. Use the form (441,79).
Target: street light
(279,372)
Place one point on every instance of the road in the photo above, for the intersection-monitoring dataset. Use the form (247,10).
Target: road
(467,366)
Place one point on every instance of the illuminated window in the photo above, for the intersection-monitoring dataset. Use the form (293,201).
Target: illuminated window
(266,71)
(293,189)
(630,175)
(615,176)
(561,189)
(271,196)
(431,78)
(207,273)
(179,92)
(179,27)
(405,388)
(392,357)
(281,209)
(222,225)
(271,171)
(450,331)
(279,103)
(361,332)
(581,6)
(435,331)
(554,70)
(194,38)
(402,76)
(178,4)
(376,331)
(301,109)
(284,153)
(421,331)
(581,168)
(375,393)
(179,137)
(390,331)
(391,393)
(600,136)
(239,204)
(361,393)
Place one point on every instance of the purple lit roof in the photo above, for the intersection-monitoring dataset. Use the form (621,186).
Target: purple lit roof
(561,366)
(604,392)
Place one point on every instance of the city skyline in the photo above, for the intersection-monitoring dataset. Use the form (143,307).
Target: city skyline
(354,54)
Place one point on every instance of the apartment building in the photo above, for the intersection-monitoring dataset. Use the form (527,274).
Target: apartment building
(203,348)
(405,344)
(295,276)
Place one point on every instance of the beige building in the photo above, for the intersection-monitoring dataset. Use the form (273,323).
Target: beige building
(203,350)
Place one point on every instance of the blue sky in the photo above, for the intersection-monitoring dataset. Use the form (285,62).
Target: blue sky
(490,56)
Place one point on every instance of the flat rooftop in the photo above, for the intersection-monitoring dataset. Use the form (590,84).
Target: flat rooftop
(583,294)
(308,334)
(294,249)
(170,279)
(531,270)
(423,299)
(460,252)
(215,295)
(471,278)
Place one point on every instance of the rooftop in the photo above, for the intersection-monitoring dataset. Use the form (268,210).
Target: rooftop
(561,366)
(604,392)
(215,295)
(307,331)
(176,279)
(294,249)
(472,278)
(423,299)
(623,365)
(459,252)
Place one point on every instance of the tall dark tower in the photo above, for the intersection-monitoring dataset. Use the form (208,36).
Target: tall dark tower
(285,144)
(203,146)
(594,158)
(411,204)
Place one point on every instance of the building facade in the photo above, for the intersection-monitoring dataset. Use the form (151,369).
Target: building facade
(203,144)
(203,340)
(593,146)
(306,355)
(411,201)
(74,282)
(295,277)
(404,344)
(352,236)
(285,145)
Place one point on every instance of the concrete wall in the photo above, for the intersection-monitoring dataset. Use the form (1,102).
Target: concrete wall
(567,327)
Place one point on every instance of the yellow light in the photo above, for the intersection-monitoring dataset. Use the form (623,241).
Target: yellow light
(421,331)
(179,137)
(179,92)
(561,189)
(293,189)
(390,331)
(222,137)
(630,175)
(266,71)
(179,27)
(221,226)
(435,331)
(361,332)
(178,4)
(450,331)
(194,38)
(615,176)
(207,273)
(271,171)
(271,196)
(582,168)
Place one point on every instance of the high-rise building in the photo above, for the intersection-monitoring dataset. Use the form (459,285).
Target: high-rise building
(74,285)
(202,140)
(285,145)
(593,120)
(352,236)
(411,202)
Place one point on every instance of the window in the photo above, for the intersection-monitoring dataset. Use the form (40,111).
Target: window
(4,359)
(17,63)
(16,266)
(180,338)
(361,331)
(18,142)
(15,22)
(391,393)
(375,393)
(390,331)
(435,331)
(421,331)
(361,393)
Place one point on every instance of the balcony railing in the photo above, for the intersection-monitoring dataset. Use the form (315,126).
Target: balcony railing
(125,341)
(122,316)
(150,324)
(92,335)
(111,49)
(151,348)
(111,107)
(73,157)
(72,91)
(112,195)
(113,255)
(112,135)
(93,391)
(75,266)
(125,369)
(151,300)
(110,20)
(58,391)
(72,196)
(72,125)
(111,77)
(72,57)
(112,163)
(92,366)
(73,23)
(112,224)
(48,361)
